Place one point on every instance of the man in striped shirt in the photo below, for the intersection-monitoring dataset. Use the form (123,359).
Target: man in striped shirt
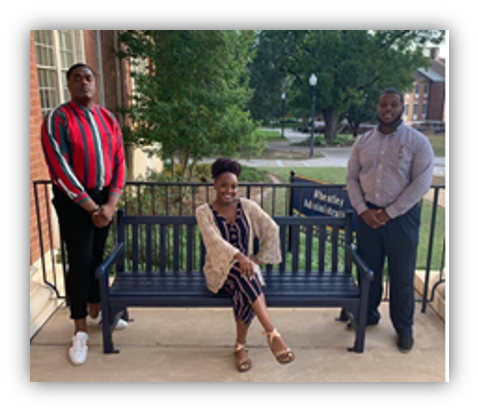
(83,149)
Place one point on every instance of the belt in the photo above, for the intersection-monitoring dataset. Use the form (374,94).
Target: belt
(372,206)
(96,191)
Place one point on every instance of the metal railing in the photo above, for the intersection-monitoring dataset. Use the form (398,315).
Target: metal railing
(182,198)
(42,191)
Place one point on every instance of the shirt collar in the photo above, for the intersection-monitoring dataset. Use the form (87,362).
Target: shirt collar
(81,108)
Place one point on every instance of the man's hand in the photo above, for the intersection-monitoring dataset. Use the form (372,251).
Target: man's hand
(103,217)
(372,219)
(383,216)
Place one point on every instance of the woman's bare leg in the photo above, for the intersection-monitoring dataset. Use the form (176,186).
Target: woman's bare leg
(260,308)
(241,331)
(243,361)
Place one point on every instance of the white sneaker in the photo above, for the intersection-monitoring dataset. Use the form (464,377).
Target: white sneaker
(98,321)
(78,350)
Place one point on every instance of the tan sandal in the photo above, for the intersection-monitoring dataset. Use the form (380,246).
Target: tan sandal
(243,364)
(283,356)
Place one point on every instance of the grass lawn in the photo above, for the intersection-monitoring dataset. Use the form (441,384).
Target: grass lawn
(326,174)
(438,143)
(269,135)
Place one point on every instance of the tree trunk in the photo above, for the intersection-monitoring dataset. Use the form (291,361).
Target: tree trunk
(354,126)
(331,119)
(172,167)
(183,161)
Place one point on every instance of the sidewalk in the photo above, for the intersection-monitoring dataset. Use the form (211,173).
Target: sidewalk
(333,156)
(184,345)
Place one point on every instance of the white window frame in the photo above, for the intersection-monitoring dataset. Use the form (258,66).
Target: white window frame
(424,110)
(417,93)
(425,90)
(78,50)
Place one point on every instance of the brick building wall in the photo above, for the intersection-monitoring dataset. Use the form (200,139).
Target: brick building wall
(436,109)
(89,40)
(110,74)
(38,169)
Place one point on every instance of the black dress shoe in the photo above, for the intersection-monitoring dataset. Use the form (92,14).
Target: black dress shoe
(405,343)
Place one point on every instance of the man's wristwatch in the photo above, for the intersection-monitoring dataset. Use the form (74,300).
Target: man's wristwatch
(97,207)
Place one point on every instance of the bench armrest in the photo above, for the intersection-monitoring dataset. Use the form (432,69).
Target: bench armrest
(105,267)
(367,273)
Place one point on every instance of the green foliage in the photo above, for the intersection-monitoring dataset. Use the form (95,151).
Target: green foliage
(352,67)
(191,94)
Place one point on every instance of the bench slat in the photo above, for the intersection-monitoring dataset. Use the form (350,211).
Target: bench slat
(170,284)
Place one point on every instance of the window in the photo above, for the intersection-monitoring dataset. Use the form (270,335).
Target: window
(405,112)
(45,57)
(415,110)
(425,90)
(417,90)
(424,110)
(56,51)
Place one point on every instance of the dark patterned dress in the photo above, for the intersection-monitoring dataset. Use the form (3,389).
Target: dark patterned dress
(243,289)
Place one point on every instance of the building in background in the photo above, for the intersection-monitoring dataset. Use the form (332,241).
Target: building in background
(425,102)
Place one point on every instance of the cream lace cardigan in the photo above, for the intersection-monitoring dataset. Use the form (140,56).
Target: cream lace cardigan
(220,254)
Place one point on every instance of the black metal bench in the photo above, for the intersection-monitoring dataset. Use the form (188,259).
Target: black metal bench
(159,259)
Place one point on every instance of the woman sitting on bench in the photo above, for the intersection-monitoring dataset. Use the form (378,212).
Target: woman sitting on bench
(228,227)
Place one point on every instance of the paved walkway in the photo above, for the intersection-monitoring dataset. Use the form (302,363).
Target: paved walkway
(195,345)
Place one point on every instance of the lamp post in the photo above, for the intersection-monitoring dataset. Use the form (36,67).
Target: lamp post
(312,82)
(282,114)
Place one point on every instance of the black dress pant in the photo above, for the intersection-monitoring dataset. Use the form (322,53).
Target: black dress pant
(85,244)
(397,241)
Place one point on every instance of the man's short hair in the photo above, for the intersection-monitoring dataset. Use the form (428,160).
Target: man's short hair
(75,66)
(392,90)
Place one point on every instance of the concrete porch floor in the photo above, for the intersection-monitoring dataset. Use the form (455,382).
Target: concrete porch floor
(195,345)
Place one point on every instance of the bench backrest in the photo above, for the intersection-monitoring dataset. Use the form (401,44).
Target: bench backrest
(173,243)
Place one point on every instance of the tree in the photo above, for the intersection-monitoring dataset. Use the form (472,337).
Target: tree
(191,96)
(360,111)
(350,65)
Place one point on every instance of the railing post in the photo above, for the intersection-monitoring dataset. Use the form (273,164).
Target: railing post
(40,237)
(291,194)
(430,250)
(120,263)
(348,240)
(40,233)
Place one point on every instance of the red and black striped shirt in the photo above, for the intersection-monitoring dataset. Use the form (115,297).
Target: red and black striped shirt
(84,150)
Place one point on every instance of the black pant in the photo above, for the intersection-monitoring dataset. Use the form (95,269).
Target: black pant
(398,241)
(85,244)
